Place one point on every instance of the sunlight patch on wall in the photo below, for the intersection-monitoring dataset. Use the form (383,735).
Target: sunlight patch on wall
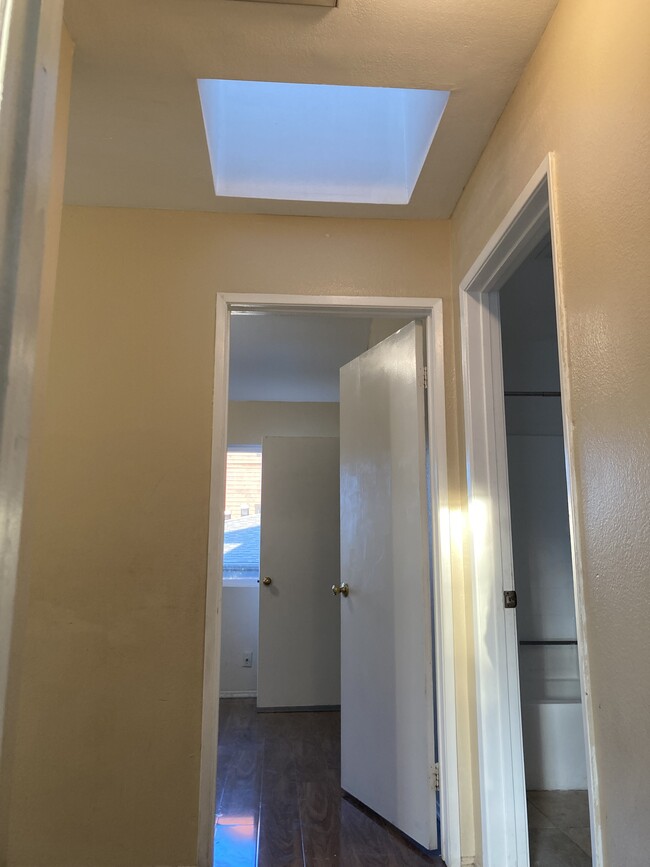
(318,142)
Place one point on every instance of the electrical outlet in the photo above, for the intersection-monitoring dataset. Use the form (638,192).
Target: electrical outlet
(247,659)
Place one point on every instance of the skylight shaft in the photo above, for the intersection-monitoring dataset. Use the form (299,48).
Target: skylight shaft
(317,142)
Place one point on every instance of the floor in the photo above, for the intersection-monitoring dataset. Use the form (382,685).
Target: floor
(279,803)
(558,827)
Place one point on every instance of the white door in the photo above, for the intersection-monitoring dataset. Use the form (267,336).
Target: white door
(387,696)
(299,628)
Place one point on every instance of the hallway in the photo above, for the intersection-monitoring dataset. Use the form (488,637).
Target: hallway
(279,803)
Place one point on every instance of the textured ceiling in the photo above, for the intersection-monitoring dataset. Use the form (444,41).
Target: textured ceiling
(136,130)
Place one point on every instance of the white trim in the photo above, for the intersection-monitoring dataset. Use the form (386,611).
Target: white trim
(575,507)
(442,596)
(501,761)
(214,583)
(238,693)
(431,311)
(30,40)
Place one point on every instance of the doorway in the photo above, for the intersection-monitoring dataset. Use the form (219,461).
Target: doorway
(430,314)
(555,765)
(532,676)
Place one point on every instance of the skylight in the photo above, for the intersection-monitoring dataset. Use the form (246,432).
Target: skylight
(318,142)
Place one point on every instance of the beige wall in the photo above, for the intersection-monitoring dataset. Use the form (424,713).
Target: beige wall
(107,762)
(240,611)
(251,420)
(586,96)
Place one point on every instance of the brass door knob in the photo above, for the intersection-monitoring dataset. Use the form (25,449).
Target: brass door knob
(342,589)
(266,581)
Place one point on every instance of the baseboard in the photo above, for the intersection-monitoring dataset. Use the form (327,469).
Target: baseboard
(469,861)
(238,693)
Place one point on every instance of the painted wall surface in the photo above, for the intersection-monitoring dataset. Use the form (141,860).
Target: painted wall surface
(585,96)
(528,329)
(248,422)
(381,328)
(22,674)
(108,769)
(540,538)
(239,634)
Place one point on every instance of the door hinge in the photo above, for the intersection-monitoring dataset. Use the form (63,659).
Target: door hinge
(425,377)
(436,776)
(509,599)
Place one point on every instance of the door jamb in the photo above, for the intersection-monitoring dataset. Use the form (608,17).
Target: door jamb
(30,40)
(429,309)
(501,762)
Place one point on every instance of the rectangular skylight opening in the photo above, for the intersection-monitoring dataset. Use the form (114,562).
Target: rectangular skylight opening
(318,142)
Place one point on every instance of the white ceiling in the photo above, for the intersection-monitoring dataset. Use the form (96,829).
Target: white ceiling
(136,131)
(292,357)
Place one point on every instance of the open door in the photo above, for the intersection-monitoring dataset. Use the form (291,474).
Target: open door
(387,689)
(299,629)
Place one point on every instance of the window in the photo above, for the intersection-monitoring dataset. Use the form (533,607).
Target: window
(241,549)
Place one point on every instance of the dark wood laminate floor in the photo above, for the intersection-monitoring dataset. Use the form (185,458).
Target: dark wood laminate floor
(279,802)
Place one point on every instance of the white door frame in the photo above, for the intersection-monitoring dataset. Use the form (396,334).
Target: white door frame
(501,759)
(30,39)
(430,310)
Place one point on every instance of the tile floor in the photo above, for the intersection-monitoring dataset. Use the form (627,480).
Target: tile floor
(558,828)
(279,802)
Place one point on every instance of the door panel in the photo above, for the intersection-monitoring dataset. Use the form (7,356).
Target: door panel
(299,633)
(387,698)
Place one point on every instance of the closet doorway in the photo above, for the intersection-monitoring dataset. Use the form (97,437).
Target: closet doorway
(549,678)
(535,719)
